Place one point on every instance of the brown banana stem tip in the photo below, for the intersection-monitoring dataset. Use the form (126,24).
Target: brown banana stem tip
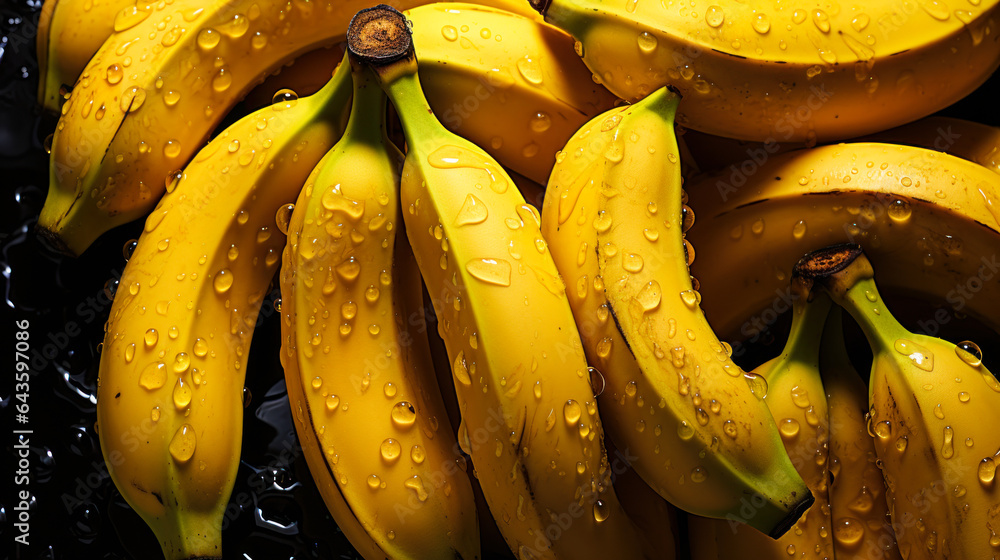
(541,6)
(379,35)
(792,517)
(53,242)
(826,262)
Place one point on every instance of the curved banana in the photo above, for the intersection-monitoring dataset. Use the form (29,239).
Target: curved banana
(930,221)
(170,391)
(520,375)
(797,400)
(787,73)
(969,140)
(857,490)
(358,370)
(150,97)
(614,219)
(69,33)
(933,408)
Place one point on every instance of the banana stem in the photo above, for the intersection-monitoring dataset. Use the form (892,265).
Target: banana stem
(335,93)
(808,320)
(367,108)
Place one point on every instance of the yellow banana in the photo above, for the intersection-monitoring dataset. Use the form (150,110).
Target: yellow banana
(797,400)
(961,138)
(357,366)
(929,220)
(150,97)
(933,409)
(787,73)
(861,527)
(614,218)
(69,33)
(170,391)
(519,373)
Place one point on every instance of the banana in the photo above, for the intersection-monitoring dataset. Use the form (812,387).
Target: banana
(969,140)
(933,408)
(519,373)
(857,490)
(929,220)
(614,218)
(358,370)
(150,97)
(69,33)
(170,386)
(797,401)
(787,73)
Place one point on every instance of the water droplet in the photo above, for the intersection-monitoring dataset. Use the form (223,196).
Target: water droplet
(491,271)
(182,394)
(758,385)
(860,22)
(114,74)
(530,70)
(283,216)
(150,338)
(987,471)
(153,376)
(789,428)
(449,32)
(698,474)
(132,99)
(684,430)
(690,298)
(799,229)
(460,369)
(284,99)
(183,443)
(221,81)
(540,122)
(473,211)
(374,482)
(572,412)
(729,427)
(714,16)
(632,262)
(403,414)
(899,210)
(601,511)
(417,485)
(649,296)
(131,16)
(223,281)
(208,38)
(761,24)
(901,442)
(647,42)
(920,356)
(821,20)
(970,353)
(390,450)
(172,148)
(758,226)
(883,429)
(948,447)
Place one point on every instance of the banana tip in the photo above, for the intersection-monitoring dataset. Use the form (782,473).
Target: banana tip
(52,242)
(793,516)
(379,35)
(826,262)
(541,6)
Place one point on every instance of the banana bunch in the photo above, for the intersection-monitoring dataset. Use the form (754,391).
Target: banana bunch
(858,510)
(811,72)
(170,387)
(615,221)
(350,293)
(521,170)
(930,404)
(797,401)
(520,376)
(153,93)
(931,221)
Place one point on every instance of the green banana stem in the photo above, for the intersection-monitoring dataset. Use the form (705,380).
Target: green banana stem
(846,274)
(833,348)
(367,107)
(334,95)
(809,313)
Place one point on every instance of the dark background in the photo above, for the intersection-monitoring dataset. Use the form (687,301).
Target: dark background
(77,512)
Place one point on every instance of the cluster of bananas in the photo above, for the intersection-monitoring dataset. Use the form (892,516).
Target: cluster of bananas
(556,324)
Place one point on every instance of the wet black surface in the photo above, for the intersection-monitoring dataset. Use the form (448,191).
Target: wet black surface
(76,512)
